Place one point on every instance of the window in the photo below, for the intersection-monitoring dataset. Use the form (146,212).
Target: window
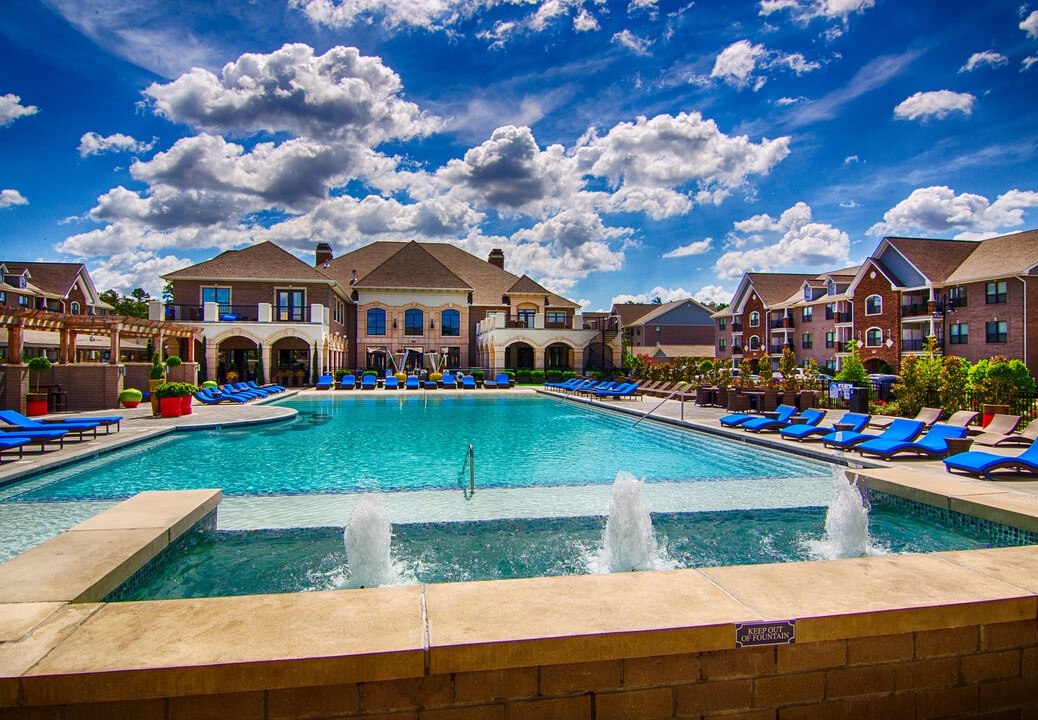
(3,298)
(721,322)
(830,340)
(450,323)
(830,288)
(807,314)
(873,305)
(721,344)
(218,295)
(830,311)
(413,320)
(526,317)
(806,341)
(754,319)
(376,321)
(959,334)
(873,337)
(290,305)
(75,308)
(754,342)
(957,297)
(995,293)
(23,301)
(555,318)
(997,332)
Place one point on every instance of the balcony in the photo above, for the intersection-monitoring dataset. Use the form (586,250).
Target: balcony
(736,327)
(844,318)
(782,323)
(737,350)
(185,313)
(915,309)
(912,344)
(290,313)
(777,349)
(227,313)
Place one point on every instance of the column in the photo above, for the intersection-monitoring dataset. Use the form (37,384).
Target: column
(113,347)
(210,360)
(15,337)
(189,349)
(66,342)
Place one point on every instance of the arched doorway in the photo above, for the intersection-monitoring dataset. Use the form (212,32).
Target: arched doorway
(236,359)
(558,356)
(291,357)
(519,355)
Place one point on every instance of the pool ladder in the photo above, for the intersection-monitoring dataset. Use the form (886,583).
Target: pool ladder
(470,463)
(658,406)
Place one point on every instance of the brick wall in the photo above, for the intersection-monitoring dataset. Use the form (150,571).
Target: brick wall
(754,304)
(982,670)
(978,313)
(889,321)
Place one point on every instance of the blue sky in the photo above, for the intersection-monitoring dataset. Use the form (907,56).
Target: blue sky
(614,150)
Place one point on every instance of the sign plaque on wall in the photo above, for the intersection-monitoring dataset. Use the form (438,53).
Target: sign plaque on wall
(774,632)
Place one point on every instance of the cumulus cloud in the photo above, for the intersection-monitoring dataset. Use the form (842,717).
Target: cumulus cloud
(11,109)
(713,294)
(585,21)
(93,144)
(338,95)
(735,64)
(665,294)
(850,159)
(809,9)
(135,270)
(9,198)
(637,45)
(987,58)
(1030,25)
(938,210)
(803,244)
(939,104)
(696,248)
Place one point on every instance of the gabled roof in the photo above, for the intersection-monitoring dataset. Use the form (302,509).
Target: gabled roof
(411,267)
(655,312)
(936,260)
(527,286)
(57,278)
(1015,254)
(673,351)
(262,261)
(776,288)
(631,313)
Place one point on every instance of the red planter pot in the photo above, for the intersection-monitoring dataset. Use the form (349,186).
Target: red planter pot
(185,405)
(35,407)
(170,406)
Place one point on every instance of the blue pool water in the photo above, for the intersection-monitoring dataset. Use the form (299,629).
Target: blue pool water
(405,442)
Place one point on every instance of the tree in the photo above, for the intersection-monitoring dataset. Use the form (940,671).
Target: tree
(787,366)
(133,305)
(852,370)
(656,300)
(167,293)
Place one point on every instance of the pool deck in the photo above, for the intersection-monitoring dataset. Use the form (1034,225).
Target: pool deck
(939,634)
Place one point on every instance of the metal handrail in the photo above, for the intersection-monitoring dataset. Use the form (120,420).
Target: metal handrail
(672,394)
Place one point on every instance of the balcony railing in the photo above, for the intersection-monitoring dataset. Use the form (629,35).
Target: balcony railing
(844,317)
(776,349)
(736,349)
(238,313)
(185,313)
(736,327)
(912,344)
(914,309)
(782,323)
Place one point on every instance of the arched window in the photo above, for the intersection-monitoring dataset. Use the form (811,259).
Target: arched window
(873,305)
(754,319)
(873,337)
(754,342)
(450,323)
(75,308)
(413,320)
(376,321)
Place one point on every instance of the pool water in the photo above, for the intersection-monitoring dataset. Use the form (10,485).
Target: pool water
(208,564)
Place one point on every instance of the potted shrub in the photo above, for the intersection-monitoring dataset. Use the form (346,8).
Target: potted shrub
(36,402)
(172,363)
(437,377)
(156,376)
(173,397)
(478,376)
(131,397)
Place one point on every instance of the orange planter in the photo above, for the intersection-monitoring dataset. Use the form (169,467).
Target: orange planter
(170,407)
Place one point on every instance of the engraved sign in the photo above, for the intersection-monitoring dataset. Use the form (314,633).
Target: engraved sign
(776,632)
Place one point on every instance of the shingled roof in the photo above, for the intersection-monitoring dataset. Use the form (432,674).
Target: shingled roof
(776,288)
(1015,254)
(263,261)
(411,267)
(935,259)
(630,313)
(526,285)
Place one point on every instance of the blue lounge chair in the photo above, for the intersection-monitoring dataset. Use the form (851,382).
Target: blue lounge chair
(16,421)
(982,464)
(430,385)
(567,385)
(106,421)
(621,391)
(785,412)
(347,382)
(269,386)
(582,385)
(325,382)
(207,397)
(858,421)
(392,383)
(736,419)
(901,430)
(9,442)
(368,382)
(412,383)
(39,437)
(449,383)
(603,386)
(468,382)
(933,444)
(248,389)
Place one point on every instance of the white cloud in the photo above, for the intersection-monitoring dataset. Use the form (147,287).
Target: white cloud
(713,293)
(93,144)
(11,109)
(1030,25)
(797,63)
(696,248)
(665,294)
(9,198)
(735,64)
(637,45)
(804,243)
(129,270)
(850,159)
(1027,62)
(938,104)
(987,58)
(784,101)
(585,21)
(938,210)
(808,9)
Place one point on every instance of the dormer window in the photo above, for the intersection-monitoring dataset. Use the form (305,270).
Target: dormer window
(830,287)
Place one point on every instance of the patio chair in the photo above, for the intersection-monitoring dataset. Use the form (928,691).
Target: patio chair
(468,382)
(368,382)
(934,444)
(769,401)
(901,430)
(412,383)
(962,418)
(1000,424)
(856,421)
(325,382)
(1025,437)
(15,421)
(206,397)
(786,413)
(348,382)
(106,421)
(983,463)
(621,391)
(502,381)
(271,387)
(391,383)
(737,402)
(927,416)
(449,383)
(10,442)
(722,397)
(39,437)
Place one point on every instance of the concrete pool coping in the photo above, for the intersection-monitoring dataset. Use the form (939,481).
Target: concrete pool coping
(59,646)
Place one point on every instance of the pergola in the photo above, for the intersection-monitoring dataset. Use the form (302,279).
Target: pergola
(116,327)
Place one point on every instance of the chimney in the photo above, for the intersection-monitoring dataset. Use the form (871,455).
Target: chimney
(324,255)
(497,257)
